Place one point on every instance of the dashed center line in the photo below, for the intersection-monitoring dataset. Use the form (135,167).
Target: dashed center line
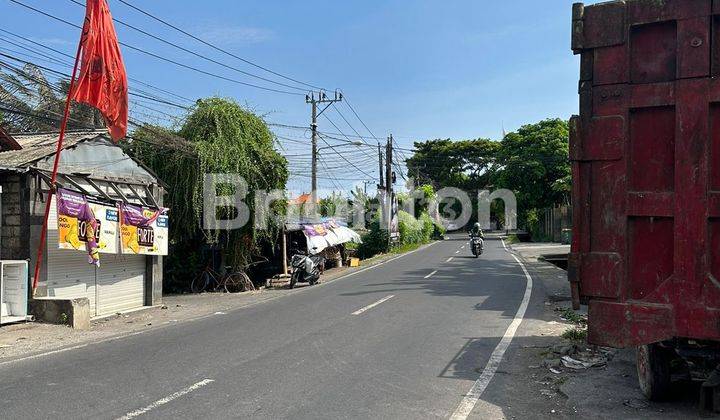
(431,274)
(163,401)
(361,310)
(449,259)
(457,252)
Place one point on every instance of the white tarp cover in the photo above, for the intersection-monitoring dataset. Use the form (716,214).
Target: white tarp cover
(319,239)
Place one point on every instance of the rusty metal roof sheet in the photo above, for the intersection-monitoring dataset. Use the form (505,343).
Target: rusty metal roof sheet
(41,145)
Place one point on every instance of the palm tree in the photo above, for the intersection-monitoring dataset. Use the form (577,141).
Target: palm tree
(30,103)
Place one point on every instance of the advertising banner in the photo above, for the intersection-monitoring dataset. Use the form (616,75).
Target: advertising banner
(86,225)
(108,217)
(143,230)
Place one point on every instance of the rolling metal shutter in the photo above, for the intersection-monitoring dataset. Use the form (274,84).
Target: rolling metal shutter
(120,283)
(117,286)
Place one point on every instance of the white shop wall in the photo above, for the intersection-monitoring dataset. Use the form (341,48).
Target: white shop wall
(118,285)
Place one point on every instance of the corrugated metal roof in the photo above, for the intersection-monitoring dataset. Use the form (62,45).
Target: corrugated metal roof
(41,145)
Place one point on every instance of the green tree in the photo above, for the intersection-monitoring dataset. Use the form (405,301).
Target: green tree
(331,205)
(219,136)
(467,164)
(535,165)
(35,104)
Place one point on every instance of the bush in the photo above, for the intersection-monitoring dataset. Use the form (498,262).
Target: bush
(438,231)
(374,241)
(410,228)
(412,232)
(417,231)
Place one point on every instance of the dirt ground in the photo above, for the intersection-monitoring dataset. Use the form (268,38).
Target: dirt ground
(534,382)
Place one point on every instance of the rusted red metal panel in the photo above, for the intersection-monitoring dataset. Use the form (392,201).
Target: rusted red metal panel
(610,66)
(647,11)
(603,25)
(645,154)
(694,47)
(627,324)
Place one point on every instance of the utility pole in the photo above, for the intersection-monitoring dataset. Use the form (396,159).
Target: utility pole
(364,182)
(389,195)
(381,169)
(314,101)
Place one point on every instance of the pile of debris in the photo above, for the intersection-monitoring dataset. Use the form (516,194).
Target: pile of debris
(574,357)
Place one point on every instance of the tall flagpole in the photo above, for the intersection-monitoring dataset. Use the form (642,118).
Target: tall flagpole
(53,178)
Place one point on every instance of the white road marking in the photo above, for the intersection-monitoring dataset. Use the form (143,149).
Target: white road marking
(36,356)
(362,270)
(471,398)
(430,275)
(65,349)
(457,252)
(503,242)
(462,247)
(367,308)
(122,336)
(163,401)
(449,259)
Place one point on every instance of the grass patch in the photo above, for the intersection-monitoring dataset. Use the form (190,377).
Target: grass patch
(512,239)
(561,381)
(401,249)
(572,316)
(575,333)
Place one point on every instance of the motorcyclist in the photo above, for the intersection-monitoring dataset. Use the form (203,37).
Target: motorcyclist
(476,231)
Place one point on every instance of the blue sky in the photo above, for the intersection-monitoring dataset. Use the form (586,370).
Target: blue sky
(418,69)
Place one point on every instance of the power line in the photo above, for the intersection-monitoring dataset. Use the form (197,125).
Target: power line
(159,57)
(348,123)
(335,182)
(148,14)
(63,75)
(346,160)
(360,119)
(178,141)
(155,97)
(181,48)
(320,177)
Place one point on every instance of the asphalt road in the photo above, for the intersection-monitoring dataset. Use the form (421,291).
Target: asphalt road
(388,342)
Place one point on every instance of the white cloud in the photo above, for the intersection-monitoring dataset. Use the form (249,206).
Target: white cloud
(58,42)
(230,35)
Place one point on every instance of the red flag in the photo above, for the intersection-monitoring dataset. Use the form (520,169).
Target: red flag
(102,82)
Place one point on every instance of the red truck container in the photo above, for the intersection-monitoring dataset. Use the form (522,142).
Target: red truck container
(645,154)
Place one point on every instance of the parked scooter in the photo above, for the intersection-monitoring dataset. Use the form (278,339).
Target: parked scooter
(305,269)
(476,245)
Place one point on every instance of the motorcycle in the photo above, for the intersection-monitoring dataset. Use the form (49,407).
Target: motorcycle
(305,269)
(476,245)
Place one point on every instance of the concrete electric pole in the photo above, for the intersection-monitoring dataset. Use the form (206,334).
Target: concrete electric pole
(381,185)
(389,181)
(314,101)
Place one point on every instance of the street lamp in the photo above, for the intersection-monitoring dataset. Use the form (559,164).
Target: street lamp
(335,146)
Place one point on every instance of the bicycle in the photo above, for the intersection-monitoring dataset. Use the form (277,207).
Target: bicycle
(232,282)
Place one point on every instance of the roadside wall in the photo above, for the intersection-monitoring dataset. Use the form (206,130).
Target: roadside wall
(15,231)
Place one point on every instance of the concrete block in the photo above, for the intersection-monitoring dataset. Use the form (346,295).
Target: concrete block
(10,208)
(11,220)
(10,198)
(11,186)
(10,232)
(11,243)
(72,312)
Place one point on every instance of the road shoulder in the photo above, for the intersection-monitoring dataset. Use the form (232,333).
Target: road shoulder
(533,382)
